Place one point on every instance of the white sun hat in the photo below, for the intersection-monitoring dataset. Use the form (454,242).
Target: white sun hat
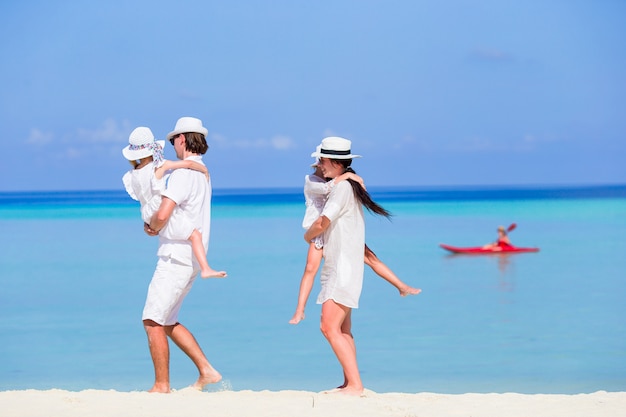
(334,147)
(317,161)
(141,144)
(188,125)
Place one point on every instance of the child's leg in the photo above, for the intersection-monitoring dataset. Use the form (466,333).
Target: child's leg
(313,260)
(387,274)
(198,250)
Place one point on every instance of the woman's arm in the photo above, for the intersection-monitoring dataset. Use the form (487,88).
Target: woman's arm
(317,228)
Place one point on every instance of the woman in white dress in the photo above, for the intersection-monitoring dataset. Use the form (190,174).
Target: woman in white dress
(316,191)
(343,227)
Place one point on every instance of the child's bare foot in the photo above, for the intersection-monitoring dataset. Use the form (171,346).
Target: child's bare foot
(211,273)
(406,290)
(297,318)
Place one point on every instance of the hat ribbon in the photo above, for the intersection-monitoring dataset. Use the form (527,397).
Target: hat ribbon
(157,150)
(332,152)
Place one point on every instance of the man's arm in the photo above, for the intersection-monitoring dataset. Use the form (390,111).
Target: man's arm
(318,227)
(160,218)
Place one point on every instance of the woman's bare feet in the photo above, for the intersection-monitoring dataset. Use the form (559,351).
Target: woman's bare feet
(211,273)
(347,390)
(355,392)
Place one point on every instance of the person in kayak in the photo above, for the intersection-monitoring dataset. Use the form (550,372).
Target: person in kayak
(502,242)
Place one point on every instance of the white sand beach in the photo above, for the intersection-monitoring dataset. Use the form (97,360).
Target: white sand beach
(191,403)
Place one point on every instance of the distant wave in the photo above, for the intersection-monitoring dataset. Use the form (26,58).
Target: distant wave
(294,195)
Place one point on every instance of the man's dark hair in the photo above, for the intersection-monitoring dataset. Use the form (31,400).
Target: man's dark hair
(196,143)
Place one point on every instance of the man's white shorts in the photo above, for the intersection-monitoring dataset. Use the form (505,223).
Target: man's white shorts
(170,284)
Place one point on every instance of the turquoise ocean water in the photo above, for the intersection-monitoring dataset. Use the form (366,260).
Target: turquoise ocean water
(75,268)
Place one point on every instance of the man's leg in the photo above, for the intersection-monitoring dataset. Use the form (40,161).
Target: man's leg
(188,344)
(160,352)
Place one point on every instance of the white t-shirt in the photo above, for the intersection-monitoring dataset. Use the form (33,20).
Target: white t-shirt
(342,273)
(192,193)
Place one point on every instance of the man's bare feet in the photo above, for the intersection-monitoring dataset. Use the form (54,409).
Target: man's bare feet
(404,291)
(297,318)
(160,388)
(211,376)
(211,273)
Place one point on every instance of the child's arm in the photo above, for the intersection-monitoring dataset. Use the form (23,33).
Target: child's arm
(350,176)
(168,165)
(315,186)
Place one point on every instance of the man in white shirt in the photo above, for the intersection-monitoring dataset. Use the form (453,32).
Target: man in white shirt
(189,192)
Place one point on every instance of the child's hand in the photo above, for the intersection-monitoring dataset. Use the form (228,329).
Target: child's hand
(352,176)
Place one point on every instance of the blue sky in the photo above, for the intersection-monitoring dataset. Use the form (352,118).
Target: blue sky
(432,93)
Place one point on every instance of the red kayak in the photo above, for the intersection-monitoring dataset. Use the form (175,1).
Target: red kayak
(478,250)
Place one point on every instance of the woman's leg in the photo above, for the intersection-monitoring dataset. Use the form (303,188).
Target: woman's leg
(346,329)
(333,324)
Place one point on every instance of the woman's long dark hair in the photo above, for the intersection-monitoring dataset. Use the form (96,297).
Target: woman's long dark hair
(361,194)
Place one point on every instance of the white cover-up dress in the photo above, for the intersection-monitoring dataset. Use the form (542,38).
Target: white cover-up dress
(344,240)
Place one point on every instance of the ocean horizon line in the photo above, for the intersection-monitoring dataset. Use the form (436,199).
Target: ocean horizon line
(294,194)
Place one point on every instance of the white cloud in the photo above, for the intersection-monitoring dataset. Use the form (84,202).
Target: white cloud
(473,144)
(531,142)
(111,131)
(72,153)
(410,142)
(189,95)
(490,54)
(526,143)
(327,133)
(278,142)
(39,138)
(282,142)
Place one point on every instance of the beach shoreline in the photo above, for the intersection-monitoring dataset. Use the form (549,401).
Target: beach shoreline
(192,403)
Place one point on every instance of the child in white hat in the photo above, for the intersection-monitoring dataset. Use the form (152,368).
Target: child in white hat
(146,181)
